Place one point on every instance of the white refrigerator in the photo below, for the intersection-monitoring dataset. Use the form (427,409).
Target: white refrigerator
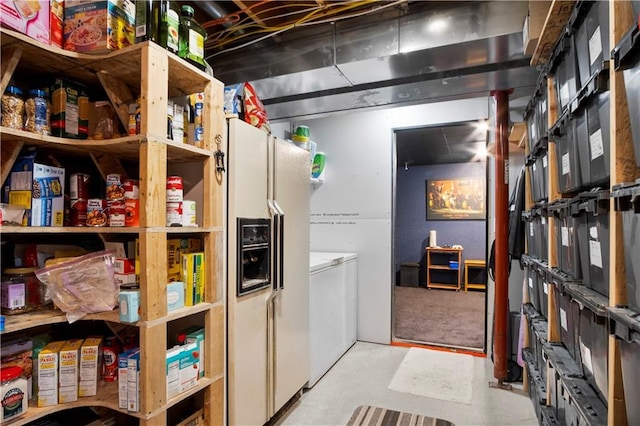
(268,273)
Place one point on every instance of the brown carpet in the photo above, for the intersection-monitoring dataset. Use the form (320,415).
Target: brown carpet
(436,316)
(367,415)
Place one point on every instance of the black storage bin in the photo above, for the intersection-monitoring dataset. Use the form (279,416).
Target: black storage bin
(537,164)
(593,240)
(568,313)
(627,57)
(581,141)
(630,357)
(541,231)
(537,386)
(534,188)
(579,212)
(543,110)
(531,278)
(529,227)
(568,159)
(592,133)
(565,69)
(564,228)
(574,260)
(594,350)
(409,274)
(582,405)
(561,364)
(538,339)
(533,122)
(591,25)
(543,289)
(627,201)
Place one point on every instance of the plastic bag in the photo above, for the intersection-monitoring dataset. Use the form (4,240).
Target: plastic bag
(83,285)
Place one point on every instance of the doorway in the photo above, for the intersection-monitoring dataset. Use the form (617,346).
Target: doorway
(440,236)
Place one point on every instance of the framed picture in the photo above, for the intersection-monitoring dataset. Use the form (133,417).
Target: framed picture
(456,199)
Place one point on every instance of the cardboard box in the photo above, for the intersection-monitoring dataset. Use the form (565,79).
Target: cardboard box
(99,26)
(133,381)
(533,24)
(175,248)
(48,361)
(129,305)
(27,17)
(196,335)
(172,371)
(56,23)
(124,266)
(175,295)
(68,379)
(69,109)
(19,352)
(123,364)
(37,187)
(126,280)
(90,365)
(193,278)
(188,367)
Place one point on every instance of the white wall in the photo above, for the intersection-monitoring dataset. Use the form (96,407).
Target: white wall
(352,210)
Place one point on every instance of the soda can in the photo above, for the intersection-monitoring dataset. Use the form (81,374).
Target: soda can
(174,214)
(117,213)
(79,186)
(175,192)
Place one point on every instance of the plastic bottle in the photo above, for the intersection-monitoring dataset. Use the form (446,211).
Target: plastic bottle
(169,29)
(147,20)
(192,37)
(13,393)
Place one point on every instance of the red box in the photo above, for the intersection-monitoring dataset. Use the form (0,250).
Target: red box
(27,17)
(125,266)
(56,23)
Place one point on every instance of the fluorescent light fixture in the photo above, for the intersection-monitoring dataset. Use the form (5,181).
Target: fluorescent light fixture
(437,25)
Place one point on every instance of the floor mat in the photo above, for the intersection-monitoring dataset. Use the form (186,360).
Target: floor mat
(367,415)
(435,374)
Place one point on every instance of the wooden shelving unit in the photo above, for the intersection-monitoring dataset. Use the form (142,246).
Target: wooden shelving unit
(441,267)
(623,169)
(157,75)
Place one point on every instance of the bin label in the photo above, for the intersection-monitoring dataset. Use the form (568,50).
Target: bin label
(546,287)
(544,106)
(586,357)
(595,46)
(597,147)
(531,282)
(566,166)
(544,161)
(564,94)
(531,228)
(595,254)
(563,319)
(565,236)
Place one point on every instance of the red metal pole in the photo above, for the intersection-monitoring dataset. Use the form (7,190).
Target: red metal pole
(501,303)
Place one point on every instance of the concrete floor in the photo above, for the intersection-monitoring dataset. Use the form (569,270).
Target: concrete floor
(362,377)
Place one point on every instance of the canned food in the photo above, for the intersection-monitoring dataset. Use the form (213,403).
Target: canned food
(174,214)
(174,189)
(117,213)
(189,213)
(78,212)
(97,212)
(131,189)
(131,212)
(115,189)
(79,186)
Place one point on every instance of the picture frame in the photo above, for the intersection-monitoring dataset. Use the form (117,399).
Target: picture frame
(456,199)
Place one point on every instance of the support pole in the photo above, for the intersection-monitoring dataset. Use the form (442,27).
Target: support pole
(501,308)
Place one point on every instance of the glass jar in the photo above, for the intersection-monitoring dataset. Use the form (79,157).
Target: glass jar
(13,393)
(22,291)
(13,108)
(37,112)
(169,30)
(192,37)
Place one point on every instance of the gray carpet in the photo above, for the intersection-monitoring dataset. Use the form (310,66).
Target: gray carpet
(436,316)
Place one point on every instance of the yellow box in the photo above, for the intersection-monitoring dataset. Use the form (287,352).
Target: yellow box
(48,359)
(193,278)
(68,380)
(175,249)
(89,368)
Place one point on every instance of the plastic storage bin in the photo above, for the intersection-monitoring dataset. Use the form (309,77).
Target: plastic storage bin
(594,350)
(541,231)
(590,21)
(409,274)
(627,201)
(531,277)
(593,240)
(630,360)
(566,147)
(543,289)
(568,313)
(626,57)
(563,66)
(543,107)
(581,403)
(537,165)
(564,228)
(592,133)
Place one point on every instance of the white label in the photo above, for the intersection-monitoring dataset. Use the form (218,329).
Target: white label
(566,165)
(565,236)
(544,106)
(71,119)
(534,167)
(597,147)
(196,44)
(563,319)
(593,232)
(512,208)
(595,254)
(564,94)
(534,134)
(543,220)
(595,46)
(530,282)
(544,161)
(586,356)
(546,288)
(531,228)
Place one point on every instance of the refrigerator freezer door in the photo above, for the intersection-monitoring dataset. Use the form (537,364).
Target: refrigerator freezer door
(291,307)
(247,315)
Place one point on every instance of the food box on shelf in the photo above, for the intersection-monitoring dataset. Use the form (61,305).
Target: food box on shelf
(175,295)
(98,26)
(48,361)
(69,109)
(196,335)
(37,187)
(133,381)
(90,364)
(69,359)
(27,17)
(193,278)
(129,305)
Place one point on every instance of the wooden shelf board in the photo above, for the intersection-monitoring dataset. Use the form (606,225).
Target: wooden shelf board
(125,147)
(443,286)
(124,63)
(557,18)
(443,268)
(104,230)
(177,314)
(202,384)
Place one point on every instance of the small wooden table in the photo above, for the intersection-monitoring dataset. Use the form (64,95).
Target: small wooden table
(474,264)
(438,259)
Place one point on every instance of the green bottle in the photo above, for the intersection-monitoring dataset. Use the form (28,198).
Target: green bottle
(169,26)
(192,37)
(147,20)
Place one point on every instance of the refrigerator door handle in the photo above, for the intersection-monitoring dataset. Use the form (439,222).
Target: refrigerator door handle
(273,210)
(281,243)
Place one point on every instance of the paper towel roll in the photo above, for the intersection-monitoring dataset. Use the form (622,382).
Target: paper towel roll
(432,239)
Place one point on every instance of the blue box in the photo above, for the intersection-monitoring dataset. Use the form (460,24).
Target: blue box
(129,301)
(175,295)
(453,264)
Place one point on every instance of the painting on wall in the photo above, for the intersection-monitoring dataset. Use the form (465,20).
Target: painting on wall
(456,199)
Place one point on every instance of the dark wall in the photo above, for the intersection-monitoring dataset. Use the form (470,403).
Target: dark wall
(411,227)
